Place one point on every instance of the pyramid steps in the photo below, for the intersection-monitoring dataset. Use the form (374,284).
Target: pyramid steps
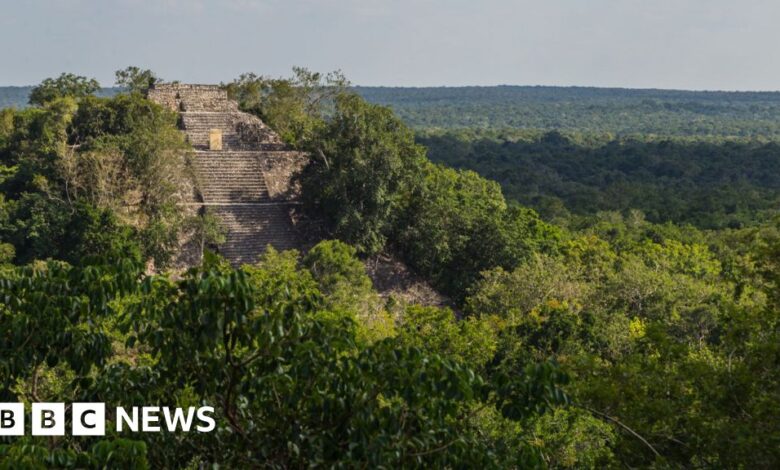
(198,125)
(225,176)
(232,182)
(251,228)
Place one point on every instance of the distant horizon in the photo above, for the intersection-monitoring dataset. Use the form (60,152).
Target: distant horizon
(454,86)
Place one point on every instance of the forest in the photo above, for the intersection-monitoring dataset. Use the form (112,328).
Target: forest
(613,300)
(707,182)
(617,111)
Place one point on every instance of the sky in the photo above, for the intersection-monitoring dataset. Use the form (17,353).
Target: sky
(673,44)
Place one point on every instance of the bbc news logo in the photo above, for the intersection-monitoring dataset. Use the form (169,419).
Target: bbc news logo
(89,419)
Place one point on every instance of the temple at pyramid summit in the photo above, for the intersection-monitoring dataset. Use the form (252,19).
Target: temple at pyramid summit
(242,171)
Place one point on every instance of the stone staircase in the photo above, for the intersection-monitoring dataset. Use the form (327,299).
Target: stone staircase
(198,124)
(230,176)
(240,131)
(252,227)
(233,181)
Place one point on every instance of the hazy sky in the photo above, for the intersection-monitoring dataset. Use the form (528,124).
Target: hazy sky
(689,44)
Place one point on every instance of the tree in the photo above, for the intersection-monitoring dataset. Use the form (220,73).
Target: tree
(457,224)
(290,385)
(136,80)
(294,107)
(472,341)
(67,84)
(122,154)
(367,165)
(343,279)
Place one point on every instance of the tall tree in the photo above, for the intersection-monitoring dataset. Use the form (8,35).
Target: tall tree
(136,80)
(367,163)
(294,107)
(67,84)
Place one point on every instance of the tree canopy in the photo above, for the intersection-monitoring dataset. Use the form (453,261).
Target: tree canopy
(631,323)
(66,84)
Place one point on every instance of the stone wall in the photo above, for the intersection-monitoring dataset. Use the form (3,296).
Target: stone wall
(186,97)
(254,134)
(280,170)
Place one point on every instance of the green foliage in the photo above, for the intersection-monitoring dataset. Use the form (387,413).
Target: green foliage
(653,333)
(66,85)
(6,125)
(206,229)
(95,233)
(35,226)
(7,253)
(707,183)
(293,107)
(55,313)
(334,264)
(515,294)
(119,453)
(368,161)
(372,182)
(571,438)
(607,340)
(43,228)
(765,246)
(458,224)
(69,161)
(503,109)
(290,386)
(136,80)
(580,109)
(472,341)
(342,278)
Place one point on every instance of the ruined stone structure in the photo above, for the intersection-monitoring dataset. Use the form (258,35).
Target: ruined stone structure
(243,171)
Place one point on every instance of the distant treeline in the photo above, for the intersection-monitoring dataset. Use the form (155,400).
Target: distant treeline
(14,96)
(17,96)
(613,110)
(709,183)
(602,110)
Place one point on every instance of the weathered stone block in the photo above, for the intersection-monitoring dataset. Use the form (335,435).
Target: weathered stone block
(185,97)
(215,139)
